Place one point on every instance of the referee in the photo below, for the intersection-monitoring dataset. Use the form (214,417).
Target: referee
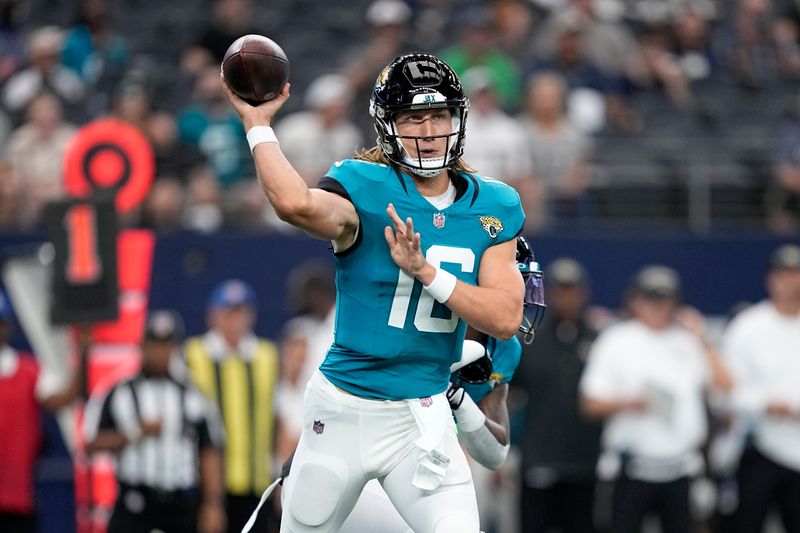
(161,429)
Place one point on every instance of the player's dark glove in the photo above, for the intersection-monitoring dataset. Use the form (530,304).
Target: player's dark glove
(478,371)
(455,395)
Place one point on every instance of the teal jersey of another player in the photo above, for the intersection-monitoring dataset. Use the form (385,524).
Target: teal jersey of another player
(505,360)
(392,340)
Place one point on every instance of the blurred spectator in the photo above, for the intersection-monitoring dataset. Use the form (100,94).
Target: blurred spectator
(692,47)
(755,47)
(587,82)
(783,195)
(11,46)
(238,372)
(515,22)
(305,342)
(168,438)
(179,166)
(35,154)
(312,139)
(761,346)
(560,448)
(647,378)
(476,47)
(662,71)
(23,389)
(496,144)
(609,44)
(132,102)
(230,19)
(43,52)
(94,49)
(559,155)
(212,125)
(389,22)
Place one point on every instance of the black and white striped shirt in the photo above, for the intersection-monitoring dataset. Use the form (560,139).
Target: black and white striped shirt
(167,461)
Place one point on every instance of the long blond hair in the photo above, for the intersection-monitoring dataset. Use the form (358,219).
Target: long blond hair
(377,155)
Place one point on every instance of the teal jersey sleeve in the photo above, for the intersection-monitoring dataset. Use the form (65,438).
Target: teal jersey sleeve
(503,208)
(505,360)
(392,340)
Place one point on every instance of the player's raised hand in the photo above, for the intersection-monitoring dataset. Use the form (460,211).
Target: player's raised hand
(404,244)
(260,115)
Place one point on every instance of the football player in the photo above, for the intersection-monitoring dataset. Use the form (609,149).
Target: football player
(477,393)
(423,247)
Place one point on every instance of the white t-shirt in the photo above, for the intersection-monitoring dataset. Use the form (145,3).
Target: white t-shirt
(762,348)
(669,369)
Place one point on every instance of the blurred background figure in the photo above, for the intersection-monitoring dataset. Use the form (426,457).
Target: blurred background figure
(35,153)
(647,378)
(304,344)
(230,19)
(180,167)
(322,133)
(476,46)
(168,439)
(209,123)
(560,446)
(390,25)
(23,390)
(783,196)
(558,189)
(496,145)
(238,372)
(761,347)
(44,71)
(96,50)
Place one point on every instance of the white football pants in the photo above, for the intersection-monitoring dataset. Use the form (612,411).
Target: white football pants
(347,441)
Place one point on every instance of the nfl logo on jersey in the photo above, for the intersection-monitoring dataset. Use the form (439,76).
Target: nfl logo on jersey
(319,427)
(438,220)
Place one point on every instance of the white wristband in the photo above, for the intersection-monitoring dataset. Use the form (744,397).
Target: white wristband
(469,415)
(442,286)
(260,134)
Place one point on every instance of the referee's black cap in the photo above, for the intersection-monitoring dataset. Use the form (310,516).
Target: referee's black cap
(164,325)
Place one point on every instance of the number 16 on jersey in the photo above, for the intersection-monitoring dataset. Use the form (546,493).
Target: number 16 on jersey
(423,318)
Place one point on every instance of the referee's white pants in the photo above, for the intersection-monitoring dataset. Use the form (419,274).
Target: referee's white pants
(347,441)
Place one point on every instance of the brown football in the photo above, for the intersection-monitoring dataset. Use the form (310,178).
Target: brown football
(255,68)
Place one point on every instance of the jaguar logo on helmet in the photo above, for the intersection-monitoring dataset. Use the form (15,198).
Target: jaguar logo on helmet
(492,225)
(383,76)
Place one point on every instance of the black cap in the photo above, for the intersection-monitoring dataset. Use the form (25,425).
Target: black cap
(656,281)
(164,325)
(785,257)
(566,271)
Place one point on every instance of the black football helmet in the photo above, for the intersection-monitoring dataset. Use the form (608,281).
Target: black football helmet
(534,290)
(411,82)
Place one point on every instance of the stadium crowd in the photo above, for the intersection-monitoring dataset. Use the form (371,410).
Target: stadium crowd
(681,113)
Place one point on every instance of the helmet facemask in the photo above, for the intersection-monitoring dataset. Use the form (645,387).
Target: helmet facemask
(533,304)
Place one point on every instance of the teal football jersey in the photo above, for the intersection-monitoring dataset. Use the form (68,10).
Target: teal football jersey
(392,340)
(505,360)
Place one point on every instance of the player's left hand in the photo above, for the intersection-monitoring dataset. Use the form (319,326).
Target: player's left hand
(404,245)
